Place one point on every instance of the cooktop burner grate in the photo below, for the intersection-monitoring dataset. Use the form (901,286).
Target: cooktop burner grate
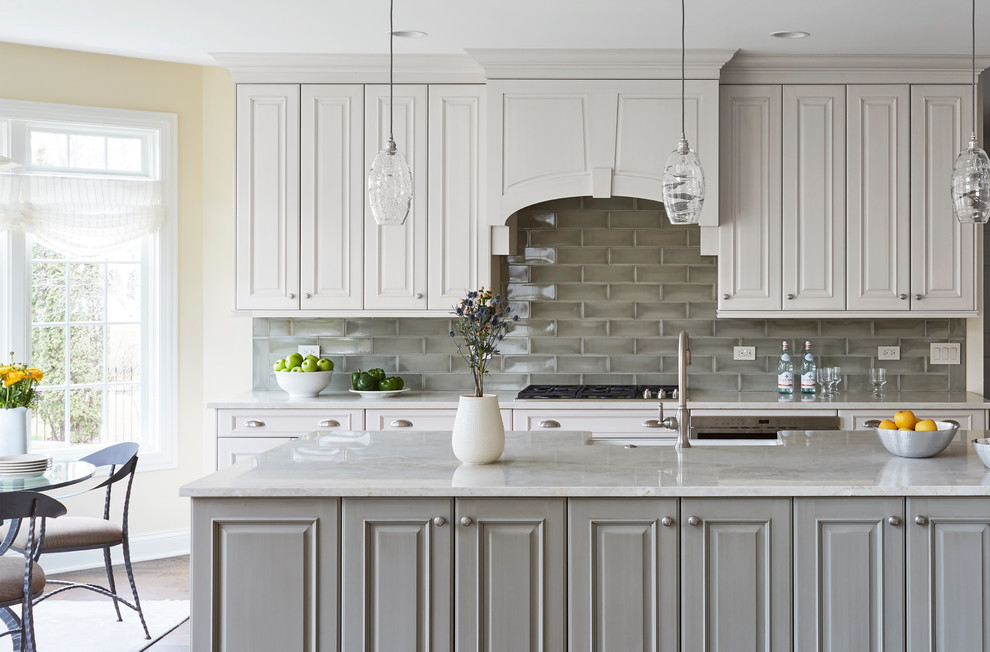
(596,391)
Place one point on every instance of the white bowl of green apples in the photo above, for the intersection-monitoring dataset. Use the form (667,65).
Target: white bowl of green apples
(303,377)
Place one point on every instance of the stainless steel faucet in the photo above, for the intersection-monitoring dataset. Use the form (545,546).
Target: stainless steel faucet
(681,422)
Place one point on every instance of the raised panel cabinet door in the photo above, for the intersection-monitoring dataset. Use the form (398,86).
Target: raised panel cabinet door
(509,575)
(948,577)
(849,574)
(457,261)
(267,229)
(943,251)
(332,187)
(396,564)
(395,255)
(749,237)
(814,198)
(736,574)
(264,574)
(878,190)
(622,575)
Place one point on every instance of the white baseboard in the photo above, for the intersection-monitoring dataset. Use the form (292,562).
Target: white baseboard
(145,547)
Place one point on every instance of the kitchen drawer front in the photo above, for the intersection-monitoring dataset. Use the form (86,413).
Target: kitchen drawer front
(636,422)
(412,419)
(289,422)
(232,450)
(968,419)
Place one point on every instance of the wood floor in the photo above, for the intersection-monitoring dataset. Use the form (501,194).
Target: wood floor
(162,579)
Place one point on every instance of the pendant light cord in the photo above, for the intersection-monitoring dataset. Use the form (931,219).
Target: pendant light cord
(391,41)
(682,66)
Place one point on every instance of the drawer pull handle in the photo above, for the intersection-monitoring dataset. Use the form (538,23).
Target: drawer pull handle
(652,423)
(894,520)
(439,521)
(920,520)
(329,423)
(254,423)
(401,423)
(666,521)
(549,423)
(693,521)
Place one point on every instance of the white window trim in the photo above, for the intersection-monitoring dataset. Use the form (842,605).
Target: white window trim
(15,330)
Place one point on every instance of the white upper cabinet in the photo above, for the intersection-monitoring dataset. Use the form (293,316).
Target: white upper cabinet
(598,138)
(877,197)
(943,251)
(332,197)
(395,256)
(267,233)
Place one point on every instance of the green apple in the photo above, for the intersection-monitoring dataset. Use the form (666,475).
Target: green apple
(293,360)
(309,365)
(279,365)
(296,368)
(311,357)
(324,364)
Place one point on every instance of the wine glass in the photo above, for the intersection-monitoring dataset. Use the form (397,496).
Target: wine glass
(834,379)
(878,378)
(822,374)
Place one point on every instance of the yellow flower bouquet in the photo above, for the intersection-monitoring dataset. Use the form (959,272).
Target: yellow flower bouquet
(18,383)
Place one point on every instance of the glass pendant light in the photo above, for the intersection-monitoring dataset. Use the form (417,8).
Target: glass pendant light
(971,171)
(390,180)
(683,178)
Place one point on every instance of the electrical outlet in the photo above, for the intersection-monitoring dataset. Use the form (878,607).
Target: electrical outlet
(309,350)
(744,353)
(945,353)
(888,353)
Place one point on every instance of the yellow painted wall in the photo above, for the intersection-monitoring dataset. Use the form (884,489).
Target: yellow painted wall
(214,347)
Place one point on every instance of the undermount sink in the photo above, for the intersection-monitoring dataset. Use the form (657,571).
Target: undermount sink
(630,442)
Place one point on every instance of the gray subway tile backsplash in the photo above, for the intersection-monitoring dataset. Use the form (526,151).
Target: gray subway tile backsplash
(603,286)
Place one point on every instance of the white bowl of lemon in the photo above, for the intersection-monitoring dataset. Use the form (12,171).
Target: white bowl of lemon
(908,436)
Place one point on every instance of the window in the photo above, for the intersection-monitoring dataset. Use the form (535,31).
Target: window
(87,233)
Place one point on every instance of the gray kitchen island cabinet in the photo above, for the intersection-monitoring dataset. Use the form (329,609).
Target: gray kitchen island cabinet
(406,564)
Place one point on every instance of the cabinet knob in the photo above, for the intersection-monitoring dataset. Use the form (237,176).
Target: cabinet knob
(902,297)
(694,520)
(439,521)
(920,520)
(466,521)
(292,296)
(329,423)
(666,521)
(726,296)
(308,295)
(548,423)
(894,520)
(401,423)
(254,423)
(918,297)
(790,297)
(419,295)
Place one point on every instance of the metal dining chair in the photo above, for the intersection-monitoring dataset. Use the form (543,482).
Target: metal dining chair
(72,533)
(22,580)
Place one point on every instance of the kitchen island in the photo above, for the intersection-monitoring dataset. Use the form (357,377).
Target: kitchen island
(382,540)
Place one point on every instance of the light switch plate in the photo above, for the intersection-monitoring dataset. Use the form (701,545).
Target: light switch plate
(305,350)
(888,353)
(744,353)
(945,353)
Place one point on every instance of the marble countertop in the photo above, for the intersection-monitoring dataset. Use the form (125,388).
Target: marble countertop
(697,400)
(407,464)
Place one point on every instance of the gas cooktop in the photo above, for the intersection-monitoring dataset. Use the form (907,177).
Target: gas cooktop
(597,391)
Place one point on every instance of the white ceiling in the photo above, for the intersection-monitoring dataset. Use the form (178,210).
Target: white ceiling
(188,30)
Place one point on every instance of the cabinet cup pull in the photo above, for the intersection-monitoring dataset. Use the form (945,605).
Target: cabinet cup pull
(918,297)
(439,521)
(894,520)
(466,521)
(666,521)
(902,297)
(548,423)
(329,423)
(920,520)
(694,520)
(254,423)
(401,423)
(726,296)
(652,423)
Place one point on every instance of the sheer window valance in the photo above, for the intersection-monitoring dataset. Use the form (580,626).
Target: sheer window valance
(80,216)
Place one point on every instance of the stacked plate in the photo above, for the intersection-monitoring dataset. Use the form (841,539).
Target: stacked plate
(30,465)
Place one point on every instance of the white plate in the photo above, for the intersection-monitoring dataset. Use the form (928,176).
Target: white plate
(25,474)
(28,458)
(393,392)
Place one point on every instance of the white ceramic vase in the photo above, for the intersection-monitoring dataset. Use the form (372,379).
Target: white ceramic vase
(15,424)
(478,436)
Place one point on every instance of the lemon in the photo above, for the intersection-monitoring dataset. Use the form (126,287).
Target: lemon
(887,424)
(907,429)
(905,420)
(926,424)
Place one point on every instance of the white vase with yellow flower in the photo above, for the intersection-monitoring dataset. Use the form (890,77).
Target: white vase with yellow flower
(18,391)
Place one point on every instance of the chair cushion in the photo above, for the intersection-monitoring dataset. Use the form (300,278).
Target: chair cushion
(12,578)
(71,532)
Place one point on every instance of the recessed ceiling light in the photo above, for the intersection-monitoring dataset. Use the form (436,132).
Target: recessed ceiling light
(789,34)
(409,33)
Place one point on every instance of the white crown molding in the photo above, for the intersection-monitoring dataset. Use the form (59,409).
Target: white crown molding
(275,68)
(748,68)
(599,64)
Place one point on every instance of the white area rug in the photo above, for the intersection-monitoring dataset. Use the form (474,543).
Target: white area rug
(91,625)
